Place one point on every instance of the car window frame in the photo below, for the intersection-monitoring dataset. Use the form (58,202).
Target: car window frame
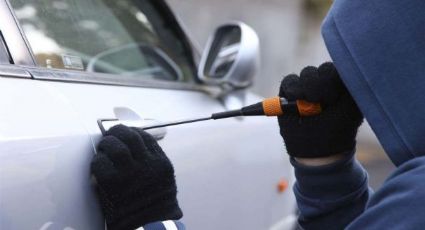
(22,57)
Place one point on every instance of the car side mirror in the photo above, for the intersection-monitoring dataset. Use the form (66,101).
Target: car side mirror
(231,56)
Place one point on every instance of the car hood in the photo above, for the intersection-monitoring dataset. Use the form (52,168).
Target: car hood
(378,48)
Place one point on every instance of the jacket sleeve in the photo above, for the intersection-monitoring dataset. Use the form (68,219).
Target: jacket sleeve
(336,196)
(400,202)
(331,196)
(163,225)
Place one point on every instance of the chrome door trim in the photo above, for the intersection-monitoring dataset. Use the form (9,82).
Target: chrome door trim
(37,73)
(14,72)
(14,38)
(40,73)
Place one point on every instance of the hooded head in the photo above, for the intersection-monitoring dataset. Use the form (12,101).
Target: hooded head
(378,47)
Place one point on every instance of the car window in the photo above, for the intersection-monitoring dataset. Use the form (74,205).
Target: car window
(119,37)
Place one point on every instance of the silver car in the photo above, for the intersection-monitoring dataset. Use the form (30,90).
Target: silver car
(72,68)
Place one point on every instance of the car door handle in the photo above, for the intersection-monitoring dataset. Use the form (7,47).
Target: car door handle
(158,134)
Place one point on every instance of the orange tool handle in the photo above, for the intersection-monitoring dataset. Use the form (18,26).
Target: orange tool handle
(277,106)
(274,106)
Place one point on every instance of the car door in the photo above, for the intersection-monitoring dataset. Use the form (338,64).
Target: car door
(129,62)
(45,155)
(45,150)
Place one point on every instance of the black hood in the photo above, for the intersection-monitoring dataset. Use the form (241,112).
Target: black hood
(378,48)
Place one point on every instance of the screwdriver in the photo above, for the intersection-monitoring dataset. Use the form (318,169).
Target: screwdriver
(274,106)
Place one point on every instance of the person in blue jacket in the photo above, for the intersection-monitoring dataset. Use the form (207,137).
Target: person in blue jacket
(378,71)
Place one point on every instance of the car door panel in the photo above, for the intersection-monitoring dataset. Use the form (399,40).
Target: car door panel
(227,171)
(44,161)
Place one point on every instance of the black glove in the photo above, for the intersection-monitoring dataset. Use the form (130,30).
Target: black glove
(334,130)
(135,179)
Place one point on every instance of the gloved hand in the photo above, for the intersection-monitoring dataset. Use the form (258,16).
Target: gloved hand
(135,179)
(331,132)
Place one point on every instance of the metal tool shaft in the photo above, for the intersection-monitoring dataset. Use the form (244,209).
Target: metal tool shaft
(269,107)
(177,123)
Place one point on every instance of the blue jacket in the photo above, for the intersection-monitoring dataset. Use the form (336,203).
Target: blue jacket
(337,197)
(378,47)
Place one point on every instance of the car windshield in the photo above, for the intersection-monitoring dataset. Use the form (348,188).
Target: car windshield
(109,36)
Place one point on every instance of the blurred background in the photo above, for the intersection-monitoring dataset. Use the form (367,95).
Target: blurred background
(290,39)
